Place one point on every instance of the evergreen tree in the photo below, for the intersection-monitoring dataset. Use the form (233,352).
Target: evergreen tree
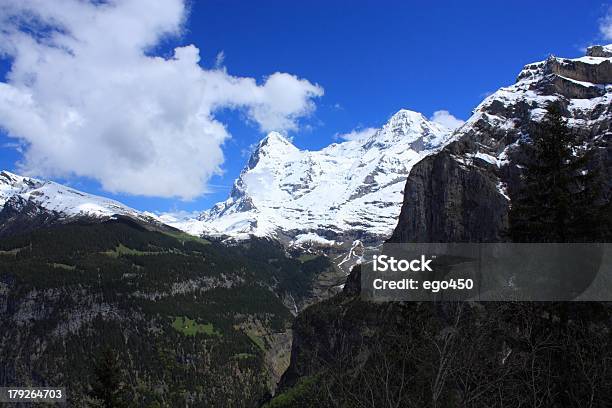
(559,198)
(108,387)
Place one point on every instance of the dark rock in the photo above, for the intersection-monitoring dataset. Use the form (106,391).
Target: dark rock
(450,202)
(599,51)
(582,71)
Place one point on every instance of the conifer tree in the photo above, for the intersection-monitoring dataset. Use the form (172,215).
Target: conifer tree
(108,387)
(559,198)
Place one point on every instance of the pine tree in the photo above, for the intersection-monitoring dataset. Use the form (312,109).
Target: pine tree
(559,198)
(108,387)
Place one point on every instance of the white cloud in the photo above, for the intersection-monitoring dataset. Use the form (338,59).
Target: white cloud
(357,134)
(219,59)
(605,26)
(445,118)
(86,97)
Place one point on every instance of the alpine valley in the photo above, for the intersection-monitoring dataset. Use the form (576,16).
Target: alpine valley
(256,300)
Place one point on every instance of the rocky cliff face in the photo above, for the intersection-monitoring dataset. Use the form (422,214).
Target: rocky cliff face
(462,193)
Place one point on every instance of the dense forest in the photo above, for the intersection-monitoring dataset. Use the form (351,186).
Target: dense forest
(185,320)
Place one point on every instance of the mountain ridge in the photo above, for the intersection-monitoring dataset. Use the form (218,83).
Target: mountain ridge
(27,203)
(345,191)
(354,190)
(462,193)
(290,175)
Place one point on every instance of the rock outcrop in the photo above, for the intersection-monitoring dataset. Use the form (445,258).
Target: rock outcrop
(599,51)
(462,193)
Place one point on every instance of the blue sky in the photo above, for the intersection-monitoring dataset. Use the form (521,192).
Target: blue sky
(371,59)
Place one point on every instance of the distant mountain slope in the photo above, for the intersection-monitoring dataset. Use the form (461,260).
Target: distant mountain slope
(349,190)
(58,198)
(27,203)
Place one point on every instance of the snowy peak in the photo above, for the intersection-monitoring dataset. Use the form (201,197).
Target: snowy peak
(272,147)
(275,144)
(405,119)
(411,127)
(275,139)
(53,197)
(347,190)
(12,184)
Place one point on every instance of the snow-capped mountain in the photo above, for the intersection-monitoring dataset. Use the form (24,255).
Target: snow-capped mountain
(349,190)
(462,193)
(354,190)
(20,192)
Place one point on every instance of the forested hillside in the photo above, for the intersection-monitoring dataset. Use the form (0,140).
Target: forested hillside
(186,319)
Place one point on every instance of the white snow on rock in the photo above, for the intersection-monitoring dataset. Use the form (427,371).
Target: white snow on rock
(486,157)
(312,238)
(351,187)
(537,85)
(57,198)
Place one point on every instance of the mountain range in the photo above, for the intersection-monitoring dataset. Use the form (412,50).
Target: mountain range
(354,190)
(217,321)
(440,184)
(346,191)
